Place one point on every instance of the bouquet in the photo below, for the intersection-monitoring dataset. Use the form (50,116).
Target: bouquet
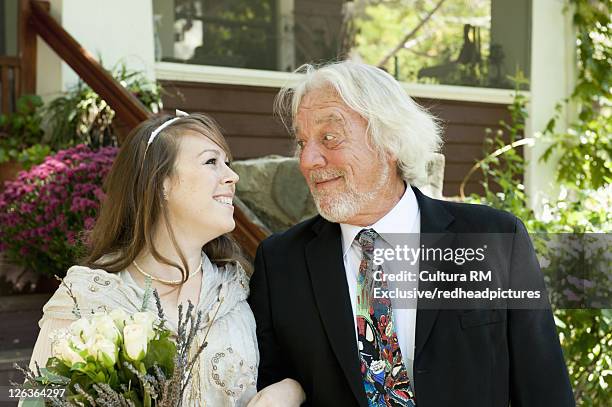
(116,359)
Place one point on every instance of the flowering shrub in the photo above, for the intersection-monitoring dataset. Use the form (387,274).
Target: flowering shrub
(44,211)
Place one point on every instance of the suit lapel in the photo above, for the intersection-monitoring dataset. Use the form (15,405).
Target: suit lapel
(328,278)
(434,222)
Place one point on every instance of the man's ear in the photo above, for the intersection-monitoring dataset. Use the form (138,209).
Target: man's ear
(390,157)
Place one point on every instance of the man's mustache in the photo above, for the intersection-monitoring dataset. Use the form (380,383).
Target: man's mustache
(325,175)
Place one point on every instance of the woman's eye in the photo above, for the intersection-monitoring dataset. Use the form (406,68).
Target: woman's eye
(212,161)
(228,164)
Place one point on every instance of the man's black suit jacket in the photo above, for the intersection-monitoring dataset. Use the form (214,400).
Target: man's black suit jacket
(305,328)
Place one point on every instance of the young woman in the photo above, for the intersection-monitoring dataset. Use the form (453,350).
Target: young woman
(165,218)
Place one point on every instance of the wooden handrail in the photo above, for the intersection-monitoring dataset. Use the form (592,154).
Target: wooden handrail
(247,233)
(10,61)
(127,107)
(10,89)
(27,48)
(129,110)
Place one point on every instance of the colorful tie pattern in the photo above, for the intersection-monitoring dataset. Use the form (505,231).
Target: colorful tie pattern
(385,377)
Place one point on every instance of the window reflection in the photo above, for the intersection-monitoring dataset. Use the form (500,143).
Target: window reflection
(8,27)
(456,42)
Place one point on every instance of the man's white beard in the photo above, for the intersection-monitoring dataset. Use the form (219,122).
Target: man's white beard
(339,207)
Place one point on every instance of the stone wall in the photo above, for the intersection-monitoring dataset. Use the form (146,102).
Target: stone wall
(273,188)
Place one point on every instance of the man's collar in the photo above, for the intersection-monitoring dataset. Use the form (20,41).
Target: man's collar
(400,219)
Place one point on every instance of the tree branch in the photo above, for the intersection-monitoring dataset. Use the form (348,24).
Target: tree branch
(411,34)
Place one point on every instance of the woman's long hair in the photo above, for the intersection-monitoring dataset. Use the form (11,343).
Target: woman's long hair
(135,203)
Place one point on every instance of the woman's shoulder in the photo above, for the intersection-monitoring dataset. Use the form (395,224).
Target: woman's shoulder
(93,279)
(85,290)
(235,272)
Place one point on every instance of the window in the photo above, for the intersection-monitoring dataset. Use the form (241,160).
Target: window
(237,33)
(8,27)
(455,42)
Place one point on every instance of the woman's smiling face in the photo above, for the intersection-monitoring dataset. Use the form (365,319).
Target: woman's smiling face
(202,188)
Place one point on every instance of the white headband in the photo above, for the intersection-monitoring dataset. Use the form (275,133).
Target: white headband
(179,114)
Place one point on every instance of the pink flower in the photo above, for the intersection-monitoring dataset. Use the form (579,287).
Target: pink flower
(46,208)
(27,208)
(89,223)
(99,194)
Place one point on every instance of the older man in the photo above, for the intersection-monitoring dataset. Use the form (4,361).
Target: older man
(361,143)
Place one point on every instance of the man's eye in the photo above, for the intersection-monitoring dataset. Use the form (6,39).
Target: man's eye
(329,137)
(300,143)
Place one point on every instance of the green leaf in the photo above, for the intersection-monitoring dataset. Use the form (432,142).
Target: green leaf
(162,353)
(39,402)
(57,367)
(49,377)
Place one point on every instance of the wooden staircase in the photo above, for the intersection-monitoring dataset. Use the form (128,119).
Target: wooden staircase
(35,18)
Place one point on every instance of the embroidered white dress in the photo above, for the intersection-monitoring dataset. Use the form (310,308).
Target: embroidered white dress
(227,368)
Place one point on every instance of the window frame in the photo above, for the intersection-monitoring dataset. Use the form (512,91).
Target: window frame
(174,71)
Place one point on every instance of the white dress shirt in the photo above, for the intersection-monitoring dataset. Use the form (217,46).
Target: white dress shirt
(403,218)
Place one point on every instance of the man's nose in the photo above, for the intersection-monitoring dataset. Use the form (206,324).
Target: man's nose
(312,156)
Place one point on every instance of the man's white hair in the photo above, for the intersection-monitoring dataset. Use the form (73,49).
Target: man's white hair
(396,124)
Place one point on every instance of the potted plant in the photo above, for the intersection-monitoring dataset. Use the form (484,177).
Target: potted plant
(21,137)
(82,116)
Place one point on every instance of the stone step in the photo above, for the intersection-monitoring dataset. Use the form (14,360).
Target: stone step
(8,373)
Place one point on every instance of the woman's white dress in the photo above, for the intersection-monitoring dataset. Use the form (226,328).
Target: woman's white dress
(227,368)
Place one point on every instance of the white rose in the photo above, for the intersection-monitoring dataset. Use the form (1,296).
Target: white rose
(79,345)
(104,350)
(63,350)
(135,341)
(146,319)
(119,316)
(83,329)
(105,326)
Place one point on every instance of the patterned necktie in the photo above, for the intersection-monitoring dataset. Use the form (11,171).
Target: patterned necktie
(385,377)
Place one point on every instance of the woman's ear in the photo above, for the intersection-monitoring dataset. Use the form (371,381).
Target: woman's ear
(166,188)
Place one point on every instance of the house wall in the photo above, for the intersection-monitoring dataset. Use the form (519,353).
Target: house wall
(553,76)
(111,30)
(128,35)
(245,114)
